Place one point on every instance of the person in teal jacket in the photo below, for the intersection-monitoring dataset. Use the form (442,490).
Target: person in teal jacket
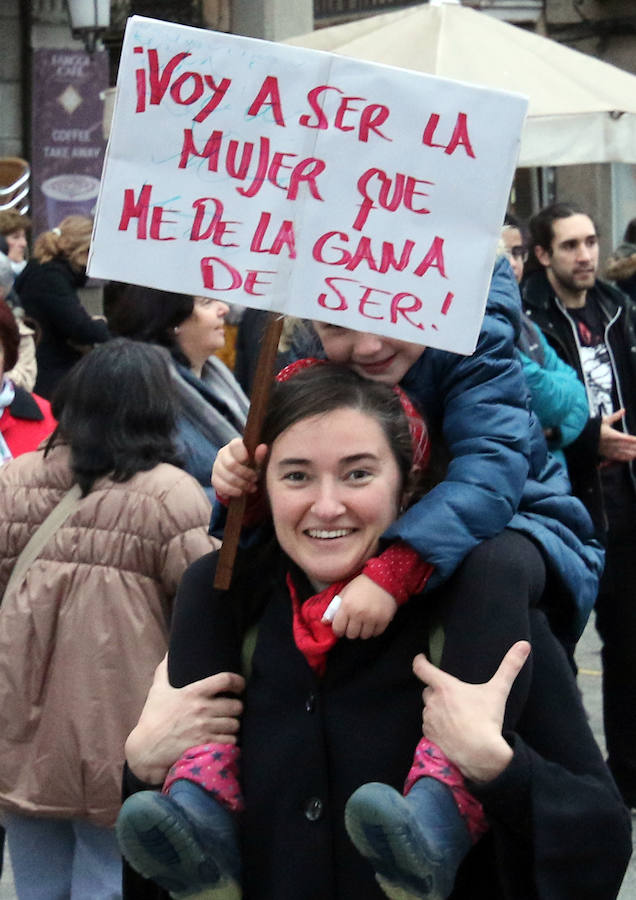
(557,396)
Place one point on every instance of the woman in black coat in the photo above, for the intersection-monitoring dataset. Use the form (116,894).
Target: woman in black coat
(212,406)
(309,741)
(47,288)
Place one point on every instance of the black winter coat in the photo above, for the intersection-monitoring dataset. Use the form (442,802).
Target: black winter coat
(48,293)
(559,829)
(619,313)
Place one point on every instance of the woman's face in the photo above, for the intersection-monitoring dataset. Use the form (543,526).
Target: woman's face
(334,487)
(17,244)
(370,355)
(203,332)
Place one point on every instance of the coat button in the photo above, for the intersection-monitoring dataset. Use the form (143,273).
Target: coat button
(313,809)
(310,703)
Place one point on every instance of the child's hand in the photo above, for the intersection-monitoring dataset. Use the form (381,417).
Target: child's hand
(365,611)
(231,474)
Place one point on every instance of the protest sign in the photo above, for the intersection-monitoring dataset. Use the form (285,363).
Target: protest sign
(305,183)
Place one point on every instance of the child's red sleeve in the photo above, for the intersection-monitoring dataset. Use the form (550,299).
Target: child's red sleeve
(400,570)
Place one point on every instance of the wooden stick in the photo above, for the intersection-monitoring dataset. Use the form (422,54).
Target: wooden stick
(262,383)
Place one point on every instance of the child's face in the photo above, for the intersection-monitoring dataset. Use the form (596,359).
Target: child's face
(370,355)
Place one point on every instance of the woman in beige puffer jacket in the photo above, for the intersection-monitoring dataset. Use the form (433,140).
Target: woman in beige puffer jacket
(82,633)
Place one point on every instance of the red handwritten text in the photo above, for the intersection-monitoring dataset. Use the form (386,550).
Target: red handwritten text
(390,193)
(371,117)
(220,275)
(236,157)
(139,209)
(375,303)
(187,88)
(327,250)
(459,137)
(284,237)
(214,229)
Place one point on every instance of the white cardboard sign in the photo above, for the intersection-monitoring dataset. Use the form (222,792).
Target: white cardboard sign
(306,183)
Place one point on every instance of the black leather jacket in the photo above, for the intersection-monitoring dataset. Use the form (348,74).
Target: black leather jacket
(619,314)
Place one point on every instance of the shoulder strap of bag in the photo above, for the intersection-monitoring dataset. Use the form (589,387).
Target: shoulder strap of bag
(435,647)
(55,519)
(436,644)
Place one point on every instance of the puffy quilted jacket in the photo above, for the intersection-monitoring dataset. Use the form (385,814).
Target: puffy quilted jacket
(81,636)
(501,474)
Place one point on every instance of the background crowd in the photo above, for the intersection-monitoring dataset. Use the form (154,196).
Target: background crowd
(110,427)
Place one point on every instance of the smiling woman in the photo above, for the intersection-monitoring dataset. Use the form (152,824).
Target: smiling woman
(330,722)
(340,466)
(333,486)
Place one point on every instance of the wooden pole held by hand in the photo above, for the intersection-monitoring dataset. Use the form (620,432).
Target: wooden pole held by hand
(263,378)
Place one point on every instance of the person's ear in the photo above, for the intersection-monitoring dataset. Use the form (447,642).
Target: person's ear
(407,493)
(543,256)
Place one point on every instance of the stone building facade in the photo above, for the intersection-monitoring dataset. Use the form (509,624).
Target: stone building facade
(603,28)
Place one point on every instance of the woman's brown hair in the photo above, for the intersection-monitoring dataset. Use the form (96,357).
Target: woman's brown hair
(9,336)
(70,239)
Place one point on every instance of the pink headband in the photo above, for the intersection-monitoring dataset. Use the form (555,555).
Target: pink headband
(419,434)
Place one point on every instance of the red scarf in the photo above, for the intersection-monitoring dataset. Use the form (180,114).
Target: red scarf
(313,637)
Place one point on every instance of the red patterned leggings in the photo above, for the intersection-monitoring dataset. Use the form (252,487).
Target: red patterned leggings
(215,768)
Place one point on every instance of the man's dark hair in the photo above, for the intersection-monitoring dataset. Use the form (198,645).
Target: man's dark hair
(115,409)
(147,314)
(541,230)
(541,226)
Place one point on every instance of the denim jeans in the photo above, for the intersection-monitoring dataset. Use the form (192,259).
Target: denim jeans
(63,859)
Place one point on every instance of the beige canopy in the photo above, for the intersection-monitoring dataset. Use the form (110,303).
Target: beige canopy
(581,110)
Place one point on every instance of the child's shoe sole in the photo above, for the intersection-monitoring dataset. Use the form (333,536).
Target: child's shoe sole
(383,829)
(158,842)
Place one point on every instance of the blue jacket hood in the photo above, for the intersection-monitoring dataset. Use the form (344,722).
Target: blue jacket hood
(504,297)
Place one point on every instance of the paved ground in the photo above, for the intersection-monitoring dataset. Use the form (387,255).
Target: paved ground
(590,682)
(589,663)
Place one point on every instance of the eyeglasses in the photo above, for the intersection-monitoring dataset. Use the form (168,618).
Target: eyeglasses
(519,252)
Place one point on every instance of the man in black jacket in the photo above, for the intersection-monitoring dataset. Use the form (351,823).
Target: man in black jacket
(592,326)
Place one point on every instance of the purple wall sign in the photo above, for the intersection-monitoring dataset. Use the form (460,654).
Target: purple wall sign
(67,141)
